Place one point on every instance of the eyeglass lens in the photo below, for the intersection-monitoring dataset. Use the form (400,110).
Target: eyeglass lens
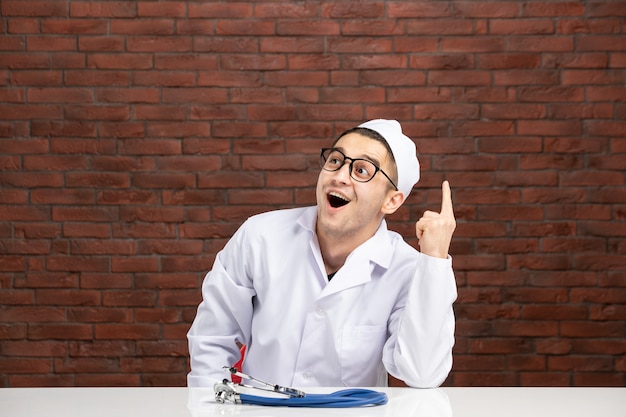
(360,169)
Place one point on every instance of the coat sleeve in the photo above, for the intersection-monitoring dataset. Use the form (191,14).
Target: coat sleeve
(419,348)
(223,317)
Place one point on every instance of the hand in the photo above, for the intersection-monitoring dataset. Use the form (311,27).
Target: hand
(434,230)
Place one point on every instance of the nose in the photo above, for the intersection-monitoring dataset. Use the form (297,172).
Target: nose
(343,173)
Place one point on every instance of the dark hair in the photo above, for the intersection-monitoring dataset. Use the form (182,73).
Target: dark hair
(372,134)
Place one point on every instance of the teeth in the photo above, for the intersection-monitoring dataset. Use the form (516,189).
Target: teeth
(337,200)
(337,195)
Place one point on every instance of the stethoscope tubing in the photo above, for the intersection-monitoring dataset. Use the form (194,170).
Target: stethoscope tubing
(352,397)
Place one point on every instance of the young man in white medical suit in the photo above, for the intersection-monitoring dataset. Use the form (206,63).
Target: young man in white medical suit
(327,295)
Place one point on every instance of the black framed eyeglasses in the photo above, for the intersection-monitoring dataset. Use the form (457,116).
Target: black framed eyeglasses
(361,170)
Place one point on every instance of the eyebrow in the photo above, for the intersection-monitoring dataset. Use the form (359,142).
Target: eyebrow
(364,156)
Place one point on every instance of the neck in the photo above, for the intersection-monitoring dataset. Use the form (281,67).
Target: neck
(334,254)
(336,249)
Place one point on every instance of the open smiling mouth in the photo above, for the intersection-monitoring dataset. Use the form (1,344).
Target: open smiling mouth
(336,200)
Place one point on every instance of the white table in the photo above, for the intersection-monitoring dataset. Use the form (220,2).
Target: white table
(405,402)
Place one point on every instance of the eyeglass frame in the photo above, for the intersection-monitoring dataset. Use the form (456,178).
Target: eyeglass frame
(323,160)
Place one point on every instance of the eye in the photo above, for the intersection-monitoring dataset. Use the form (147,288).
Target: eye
(333,160)
(363,169)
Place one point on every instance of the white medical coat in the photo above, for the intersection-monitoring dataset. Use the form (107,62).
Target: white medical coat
(388,309)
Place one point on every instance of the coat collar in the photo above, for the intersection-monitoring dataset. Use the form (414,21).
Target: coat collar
(357,270)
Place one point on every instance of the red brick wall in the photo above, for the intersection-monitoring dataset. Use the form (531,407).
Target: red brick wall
(135,137)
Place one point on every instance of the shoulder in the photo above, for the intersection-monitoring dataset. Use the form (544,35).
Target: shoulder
(273,223)
(271,218)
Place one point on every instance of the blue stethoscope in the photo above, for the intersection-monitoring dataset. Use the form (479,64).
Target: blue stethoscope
(226,391)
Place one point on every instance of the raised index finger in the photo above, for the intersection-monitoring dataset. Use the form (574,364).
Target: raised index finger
(446,200)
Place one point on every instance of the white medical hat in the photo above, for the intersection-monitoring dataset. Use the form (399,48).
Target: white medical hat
(403,149)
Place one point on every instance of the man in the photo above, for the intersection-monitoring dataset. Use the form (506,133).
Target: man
(326,295)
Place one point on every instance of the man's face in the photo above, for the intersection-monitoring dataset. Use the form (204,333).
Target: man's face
(349,209)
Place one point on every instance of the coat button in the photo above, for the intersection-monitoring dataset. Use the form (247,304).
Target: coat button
(320,312)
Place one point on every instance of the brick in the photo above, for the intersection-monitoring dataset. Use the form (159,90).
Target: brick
(34,8)
(597,178)
(191,198)
(163,78)
(606,128)
(474,363)
(166,9)
(37,230)
(254,62)
(508,61)
(305,27)
(521,26)
(133,298)
(542,94)
(167,281)
(305,78)
(476,44)
(228,180)
(600,379)
(103,9)
(15,96)
(526,77)
(186,62)
(106,280)
(527,328)
(599,262)
(225,27)
(34,349)
(106,380)
(25,61)
(153,364)
(52,95)
(126,331)
(51,43)
(74,26)
(101,43)
(446,111)
(76,263)
(584,329)
(443,62)
(162,348)
(601,43)
(120,61)
(60,331)
(210,10)
(545,379)
(156,112)
(372,61)
(141,26)
(150,214)
(563,9)
(555,228)
(527,363)
(415,44)
(23,25)
(27,111)
(194,95)
(398,9)
(576,60)
(37,77)
(372,27)
(184,130)
(19,365)
(549,128)
(591,76)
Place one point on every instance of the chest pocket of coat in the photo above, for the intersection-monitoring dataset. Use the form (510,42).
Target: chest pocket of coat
(361,354)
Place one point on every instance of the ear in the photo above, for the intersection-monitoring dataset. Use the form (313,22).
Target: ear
(392,202)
